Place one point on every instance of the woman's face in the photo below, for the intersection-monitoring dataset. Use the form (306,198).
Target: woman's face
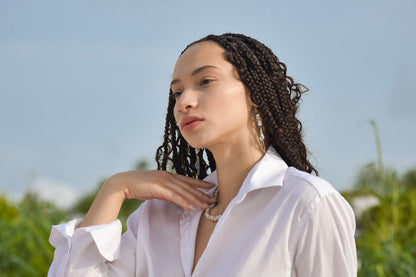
(212,106)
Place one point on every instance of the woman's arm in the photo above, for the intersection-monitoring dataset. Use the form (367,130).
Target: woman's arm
(93,247)
(326,246)
(145,185)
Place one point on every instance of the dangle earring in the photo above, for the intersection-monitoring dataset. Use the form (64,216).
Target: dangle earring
(261,136)
(197,164)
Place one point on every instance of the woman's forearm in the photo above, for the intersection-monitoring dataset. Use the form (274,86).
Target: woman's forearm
(106,205)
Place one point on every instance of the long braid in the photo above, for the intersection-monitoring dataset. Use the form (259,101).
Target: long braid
(274,93)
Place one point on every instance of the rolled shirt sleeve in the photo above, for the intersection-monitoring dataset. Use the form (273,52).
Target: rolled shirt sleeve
(98,250)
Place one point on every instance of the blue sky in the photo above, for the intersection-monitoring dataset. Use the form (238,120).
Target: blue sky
(83,84)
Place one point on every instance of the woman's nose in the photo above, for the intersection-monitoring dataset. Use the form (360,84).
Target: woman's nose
(187,100)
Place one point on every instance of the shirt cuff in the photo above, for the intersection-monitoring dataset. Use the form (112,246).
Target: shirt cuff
(106,237)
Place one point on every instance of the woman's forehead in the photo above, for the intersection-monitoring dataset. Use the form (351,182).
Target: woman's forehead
(199,55)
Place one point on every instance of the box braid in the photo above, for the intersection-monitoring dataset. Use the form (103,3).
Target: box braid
(275,94)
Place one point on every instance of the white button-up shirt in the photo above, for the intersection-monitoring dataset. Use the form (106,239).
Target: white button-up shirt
(283,222)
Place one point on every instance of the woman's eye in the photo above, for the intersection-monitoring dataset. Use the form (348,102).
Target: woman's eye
(205,82)
(176,94)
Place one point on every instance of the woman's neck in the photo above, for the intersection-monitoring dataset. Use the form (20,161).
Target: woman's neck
(233,164)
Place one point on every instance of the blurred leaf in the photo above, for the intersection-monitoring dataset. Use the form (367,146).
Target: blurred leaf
(24,234)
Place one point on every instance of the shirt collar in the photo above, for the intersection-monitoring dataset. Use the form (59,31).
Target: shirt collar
(268,172)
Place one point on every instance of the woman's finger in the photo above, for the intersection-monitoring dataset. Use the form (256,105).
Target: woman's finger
(190,197)
(175,196)
(194,191)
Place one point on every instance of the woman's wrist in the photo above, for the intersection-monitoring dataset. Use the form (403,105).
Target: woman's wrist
(115,186)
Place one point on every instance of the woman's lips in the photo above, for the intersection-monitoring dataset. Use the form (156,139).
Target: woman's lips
(190,122)
(191,125)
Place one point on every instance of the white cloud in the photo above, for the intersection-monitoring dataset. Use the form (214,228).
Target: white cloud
(57,192)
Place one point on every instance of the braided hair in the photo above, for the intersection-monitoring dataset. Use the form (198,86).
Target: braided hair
(275,95)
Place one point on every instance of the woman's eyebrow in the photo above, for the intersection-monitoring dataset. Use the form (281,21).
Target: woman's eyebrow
(196,71)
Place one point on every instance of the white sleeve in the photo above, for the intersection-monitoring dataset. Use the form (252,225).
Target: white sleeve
(95,250)
(326,247)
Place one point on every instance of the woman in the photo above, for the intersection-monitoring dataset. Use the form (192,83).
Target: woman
(260,212)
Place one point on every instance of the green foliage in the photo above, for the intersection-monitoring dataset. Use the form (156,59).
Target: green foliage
(24,233)
(378,182)
(409,179)
(386,240)
(25,228)
(7,211)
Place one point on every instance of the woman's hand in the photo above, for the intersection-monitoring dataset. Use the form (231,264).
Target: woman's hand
(145,185)
(159,184)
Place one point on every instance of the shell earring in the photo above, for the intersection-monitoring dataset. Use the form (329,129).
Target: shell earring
(260,125)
